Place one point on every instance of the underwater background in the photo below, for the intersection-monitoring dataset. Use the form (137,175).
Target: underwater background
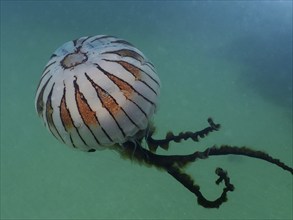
(231,60)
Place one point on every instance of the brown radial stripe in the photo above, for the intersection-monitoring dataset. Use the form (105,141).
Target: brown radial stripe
(107,101)
(136,72)
(87,114)
(136,56)
(45,72)
(49,114)
(40,102)
(125,84)
(43,78)
(132,69)
(65,115)
(125,88)
(46,67)
(128,53)
(49,109)
(67,120)
(110,104)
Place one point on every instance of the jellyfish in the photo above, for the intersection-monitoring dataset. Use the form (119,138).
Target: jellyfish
(101,92)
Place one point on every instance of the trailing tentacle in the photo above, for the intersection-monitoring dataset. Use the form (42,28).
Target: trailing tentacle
(188,182)
(174,164)
(153,144)
(245,151)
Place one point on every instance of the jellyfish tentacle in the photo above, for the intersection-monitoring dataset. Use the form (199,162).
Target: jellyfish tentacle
(135,152)
(143,155)
(174,164)
(245,151)
(153,144)
(187,181)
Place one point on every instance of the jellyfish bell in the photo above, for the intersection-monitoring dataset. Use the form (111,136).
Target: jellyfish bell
(101,92)
(96,92)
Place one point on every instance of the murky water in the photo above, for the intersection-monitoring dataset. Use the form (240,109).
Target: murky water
(229,60)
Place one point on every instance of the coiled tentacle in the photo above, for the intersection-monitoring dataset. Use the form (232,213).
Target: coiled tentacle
(174,164)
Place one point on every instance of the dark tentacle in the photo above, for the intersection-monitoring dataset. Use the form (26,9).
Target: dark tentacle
(223,150)
(173,165)
(188,182)
(164,143)
(245,151)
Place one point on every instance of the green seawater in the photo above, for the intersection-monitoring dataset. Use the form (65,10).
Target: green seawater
(231,60)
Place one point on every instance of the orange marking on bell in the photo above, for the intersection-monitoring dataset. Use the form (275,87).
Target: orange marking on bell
(108,102)
(49,112)
(132,69)
(86,113)
(123,86)
(65,115)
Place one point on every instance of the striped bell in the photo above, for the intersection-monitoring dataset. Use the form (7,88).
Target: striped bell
(96,92)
